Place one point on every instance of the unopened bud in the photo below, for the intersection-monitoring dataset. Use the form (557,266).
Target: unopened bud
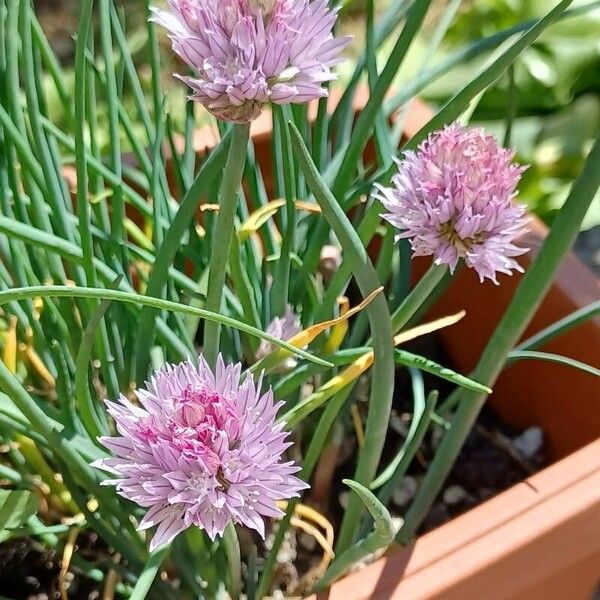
(331,259)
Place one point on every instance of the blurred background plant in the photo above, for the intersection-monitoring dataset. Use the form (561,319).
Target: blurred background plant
(554,90)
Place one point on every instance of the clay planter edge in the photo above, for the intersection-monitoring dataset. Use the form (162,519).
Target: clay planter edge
(539,539)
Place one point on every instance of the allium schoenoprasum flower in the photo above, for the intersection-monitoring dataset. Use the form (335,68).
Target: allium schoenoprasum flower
(454,199)
(200,448)
(283,328)
(245,53)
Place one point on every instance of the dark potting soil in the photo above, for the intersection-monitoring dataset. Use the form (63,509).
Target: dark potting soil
(29,570)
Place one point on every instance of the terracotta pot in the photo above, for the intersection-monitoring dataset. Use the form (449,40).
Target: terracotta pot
(541,538)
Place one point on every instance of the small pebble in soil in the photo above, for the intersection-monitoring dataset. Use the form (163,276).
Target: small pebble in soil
(454,494)
(287,550)
(307,542)
(405,491)
(344,498)
(330,261)
(399,423)
(530,442)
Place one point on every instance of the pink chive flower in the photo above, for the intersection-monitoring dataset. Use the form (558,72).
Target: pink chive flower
(454,199)
(201,448)
(245,53)
(283,328)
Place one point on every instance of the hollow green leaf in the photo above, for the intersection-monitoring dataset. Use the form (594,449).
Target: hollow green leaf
(60,291)
(382,383)
(409,359)
(569,322)
(381,536)
(86,409)
(556,358)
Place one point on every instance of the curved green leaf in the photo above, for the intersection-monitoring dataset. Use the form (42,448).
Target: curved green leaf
(381,537)
(63,291)
(382,385)
(556,358)
(576,318)
(409,359)
(89,417)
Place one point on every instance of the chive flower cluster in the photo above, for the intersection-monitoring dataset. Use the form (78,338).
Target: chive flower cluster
(245,53)
(200,448)
(203,447)
(454,199)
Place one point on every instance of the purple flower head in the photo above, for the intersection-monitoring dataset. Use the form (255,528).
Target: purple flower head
(245,53)
(454,198)
(202,449)
(283,328)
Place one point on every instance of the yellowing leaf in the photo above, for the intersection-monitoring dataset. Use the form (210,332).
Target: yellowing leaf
(357,368)
(260,216)
(211,207)
(9,357)
(339,331)
(137,235)
(304,513)
(308,335)
(37,364)
(421,330)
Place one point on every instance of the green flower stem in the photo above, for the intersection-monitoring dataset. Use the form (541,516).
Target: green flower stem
(281,283)
(527,298)
(382,380)
(151,568)
(418,295)
(232,178)
(165,255)
(234,560)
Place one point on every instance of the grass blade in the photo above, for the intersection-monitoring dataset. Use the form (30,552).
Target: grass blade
(409,359)
(60,291)
(569,322)
(556,358)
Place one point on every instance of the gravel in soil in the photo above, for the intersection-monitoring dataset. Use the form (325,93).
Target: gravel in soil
(31,571)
